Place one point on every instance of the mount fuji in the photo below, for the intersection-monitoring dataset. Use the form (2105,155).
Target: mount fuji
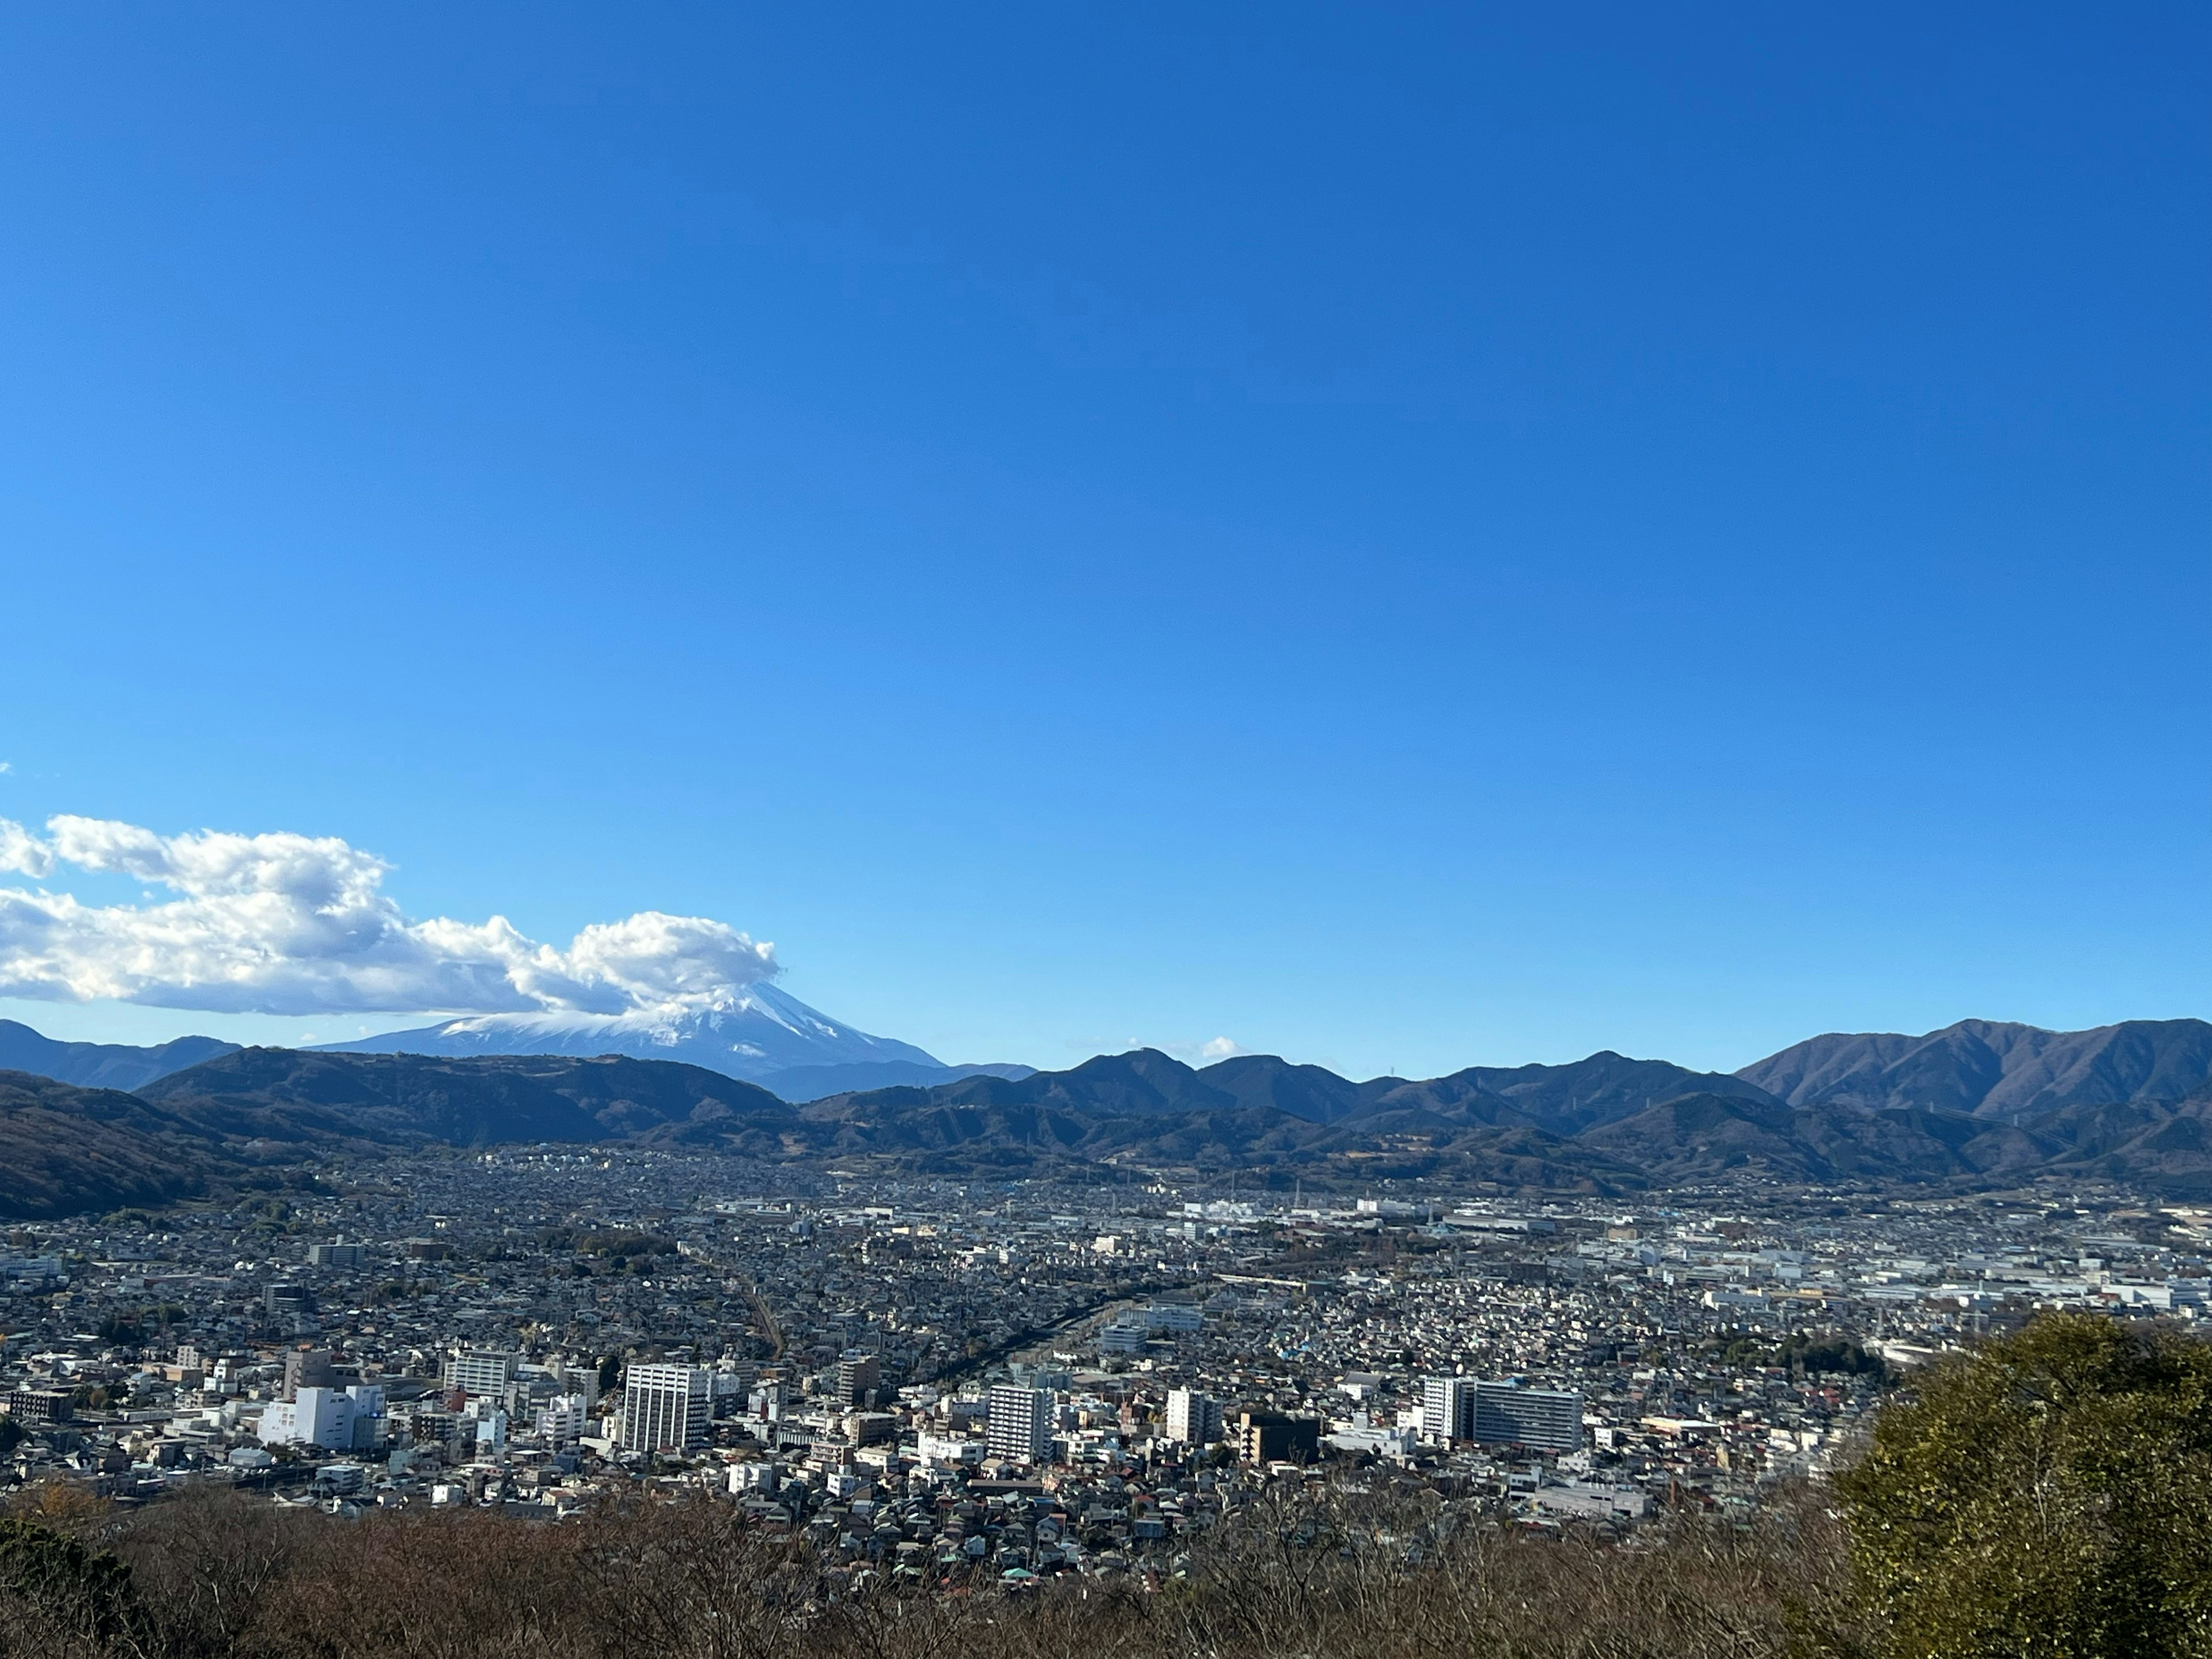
(764,1036)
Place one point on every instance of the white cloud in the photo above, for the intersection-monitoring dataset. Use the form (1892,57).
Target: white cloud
(1191,1054)
(286,924)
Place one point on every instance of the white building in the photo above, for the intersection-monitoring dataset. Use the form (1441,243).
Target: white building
(1359,1435)
(1589,1503)
(1193,1419)
(337,1420)
(561,1419)
(755,1477)
(1020,1424)
(1446,1409)
(665,1406)
(478,1370)
(948,1450)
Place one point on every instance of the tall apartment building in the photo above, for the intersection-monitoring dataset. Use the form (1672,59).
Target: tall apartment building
(306,1368)
(1500,1415)
(337,1254)
(478,1370)
(1447,1409)
(665,1406)
(1543,1419)
(1193,1419)
(857,1373)
(1271,1437)
(1019,1427)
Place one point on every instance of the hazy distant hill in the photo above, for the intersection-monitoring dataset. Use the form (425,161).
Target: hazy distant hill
(100,1065)
(1991,1069)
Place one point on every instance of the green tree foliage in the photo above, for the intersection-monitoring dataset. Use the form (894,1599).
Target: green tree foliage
(2047,1496)
(1827,1353)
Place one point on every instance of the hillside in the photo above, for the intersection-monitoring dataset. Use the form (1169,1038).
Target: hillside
(317,1099)
(1991,1069)
(64,1149)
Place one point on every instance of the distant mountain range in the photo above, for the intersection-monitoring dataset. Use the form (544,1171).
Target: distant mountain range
(100,1065)
(767,1037)
(1977,1104)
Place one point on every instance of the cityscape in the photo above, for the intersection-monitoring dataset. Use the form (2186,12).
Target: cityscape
(1105,832)
(945,1380)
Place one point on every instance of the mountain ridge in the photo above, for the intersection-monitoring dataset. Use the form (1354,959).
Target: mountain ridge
(100,1065)
(2130,1104)
(1994,1068)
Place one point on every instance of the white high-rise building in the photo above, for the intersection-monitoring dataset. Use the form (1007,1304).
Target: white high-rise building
(665,1406)
(1020,1424)
(1447,1409)
(1193,1419)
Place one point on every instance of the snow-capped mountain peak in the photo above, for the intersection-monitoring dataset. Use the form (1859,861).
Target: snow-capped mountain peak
(759,1033)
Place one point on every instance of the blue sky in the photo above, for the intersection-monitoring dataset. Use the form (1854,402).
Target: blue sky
(1400,538)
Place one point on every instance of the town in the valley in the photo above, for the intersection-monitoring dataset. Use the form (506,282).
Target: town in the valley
(931,1378)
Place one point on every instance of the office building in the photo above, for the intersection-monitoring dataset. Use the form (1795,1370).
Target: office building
(766,1401)
(665,1407)
(1193,1419)
(870,1428)
(477,1371)
(1122,1339)
(1541,1419)
(1019,1428)
(336,1420)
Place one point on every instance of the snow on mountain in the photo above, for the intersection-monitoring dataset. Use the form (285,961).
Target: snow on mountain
(762,1032)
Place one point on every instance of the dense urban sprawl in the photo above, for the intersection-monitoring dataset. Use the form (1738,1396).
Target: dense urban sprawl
(1020,1380)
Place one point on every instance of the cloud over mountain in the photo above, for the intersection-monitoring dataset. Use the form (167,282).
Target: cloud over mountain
(288,924)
